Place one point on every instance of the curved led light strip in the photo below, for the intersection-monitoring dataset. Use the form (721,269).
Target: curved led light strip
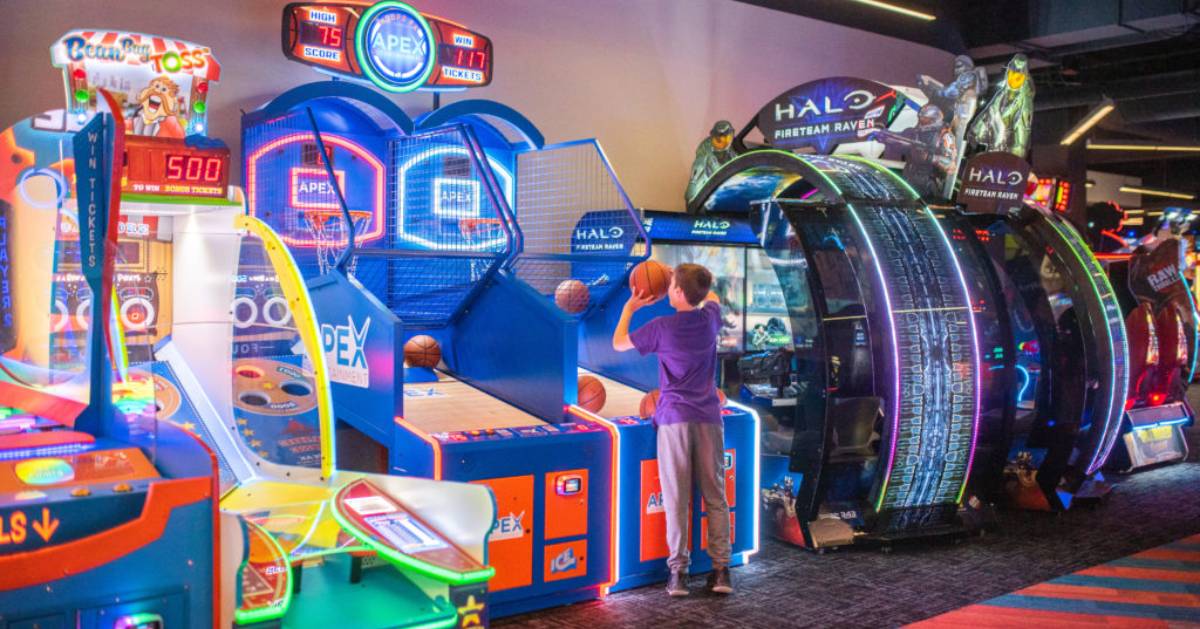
(1191,299)
(966,295)
(497,168)
(377,216)
(1109,437)
(367,64)
(306,324)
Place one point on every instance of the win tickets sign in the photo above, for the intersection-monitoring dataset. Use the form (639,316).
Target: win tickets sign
(827,112)
(993,183)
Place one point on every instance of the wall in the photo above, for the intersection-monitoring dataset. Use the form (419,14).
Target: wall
(646,77)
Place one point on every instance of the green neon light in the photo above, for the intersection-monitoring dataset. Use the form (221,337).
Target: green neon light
(81,96)
(444,623)
(171,62)
(1074,243)
(364,62)
(176,200)
(199,106)
(453,577)
(276,610)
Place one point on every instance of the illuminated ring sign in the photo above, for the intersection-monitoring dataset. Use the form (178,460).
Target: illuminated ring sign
(395,46)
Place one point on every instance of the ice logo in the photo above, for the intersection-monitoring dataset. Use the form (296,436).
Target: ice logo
(345,350)
(564,562)
(509,527)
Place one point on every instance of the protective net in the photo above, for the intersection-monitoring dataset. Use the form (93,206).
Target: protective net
(449,230)
(328,228)
(288,185)
(577,224)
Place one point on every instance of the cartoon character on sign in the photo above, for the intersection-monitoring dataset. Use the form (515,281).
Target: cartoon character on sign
(1004,123)
(158,106)
(714,151)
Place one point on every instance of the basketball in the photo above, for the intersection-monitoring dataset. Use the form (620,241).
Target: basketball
(649,403)
(591,393)
(572,296)
(422,351)
(650,277)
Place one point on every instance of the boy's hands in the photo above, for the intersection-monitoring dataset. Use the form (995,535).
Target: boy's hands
(637,301)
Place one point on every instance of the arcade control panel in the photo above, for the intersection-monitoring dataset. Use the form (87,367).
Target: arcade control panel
(93,534)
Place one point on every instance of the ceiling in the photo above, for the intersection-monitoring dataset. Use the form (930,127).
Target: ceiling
(1144,55)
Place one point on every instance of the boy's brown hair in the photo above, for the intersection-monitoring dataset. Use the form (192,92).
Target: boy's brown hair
(695,281)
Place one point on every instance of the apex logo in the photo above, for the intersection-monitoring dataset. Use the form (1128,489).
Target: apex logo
(509,527)
(345,349)
(654,504)
(564,562)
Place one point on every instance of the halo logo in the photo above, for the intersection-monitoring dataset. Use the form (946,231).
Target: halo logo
(345,349)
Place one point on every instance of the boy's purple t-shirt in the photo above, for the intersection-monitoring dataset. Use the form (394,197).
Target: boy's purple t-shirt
(686,344)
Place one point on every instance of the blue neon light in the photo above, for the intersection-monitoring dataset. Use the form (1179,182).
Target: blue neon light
(1024,384)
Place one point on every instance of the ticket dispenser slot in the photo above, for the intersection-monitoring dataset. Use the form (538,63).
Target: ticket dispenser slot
(566,504)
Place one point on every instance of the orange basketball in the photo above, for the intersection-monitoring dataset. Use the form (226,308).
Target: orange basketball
(422,351)
(650,277)
(572,296)
(591,393)
(648,405)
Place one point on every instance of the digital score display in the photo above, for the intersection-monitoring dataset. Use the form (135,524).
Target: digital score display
(388,44)
(159,167)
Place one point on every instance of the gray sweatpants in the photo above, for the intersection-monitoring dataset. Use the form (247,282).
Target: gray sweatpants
(685,451)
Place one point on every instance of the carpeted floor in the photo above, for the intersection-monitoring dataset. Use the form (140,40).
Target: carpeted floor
(787,587)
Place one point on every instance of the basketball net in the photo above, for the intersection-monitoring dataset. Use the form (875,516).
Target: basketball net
(328,228)
(476,232)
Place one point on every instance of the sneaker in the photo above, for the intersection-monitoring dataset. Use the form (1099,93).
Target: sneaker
(720,581)
(677,584)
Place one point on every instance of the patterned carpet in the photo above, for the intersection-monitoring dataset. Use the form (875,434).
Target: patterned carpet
(786,587)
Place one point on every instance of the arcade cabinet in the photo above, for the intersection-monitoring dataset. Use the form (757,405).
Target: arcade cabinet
(496,410)
(1055,356)
(885,431)
(107,518)
(220,327)
(1162,333)
(580,240)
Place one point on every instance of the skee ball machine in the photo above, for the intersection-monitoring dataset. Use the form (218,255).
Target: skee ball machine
(495,411)
(107,518)
(220,326)
(886,427)
(579,229)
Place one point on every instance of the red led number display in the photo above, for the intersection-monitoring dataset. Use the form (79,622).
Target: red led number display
(194,168)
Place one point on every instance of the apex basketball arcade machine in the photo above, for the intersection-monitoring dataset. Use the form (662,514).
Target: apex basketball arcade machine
(580,238)
(432,229)
(107,518)
(886,426)
(228,342)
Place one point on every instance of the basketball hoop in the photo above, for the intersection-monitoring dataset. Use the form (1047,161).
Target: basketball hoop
(328,228)
(477,232)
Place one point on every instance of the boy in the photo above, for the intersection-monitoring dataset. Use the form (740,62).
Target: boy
(688,418)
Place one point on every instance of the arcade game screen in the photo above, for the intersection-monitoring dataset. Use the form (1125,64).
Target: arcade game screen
(752,304)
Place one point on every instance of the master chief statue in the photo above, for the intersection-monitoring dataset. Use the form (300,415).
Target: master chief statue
(1003,124)
(714,151)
